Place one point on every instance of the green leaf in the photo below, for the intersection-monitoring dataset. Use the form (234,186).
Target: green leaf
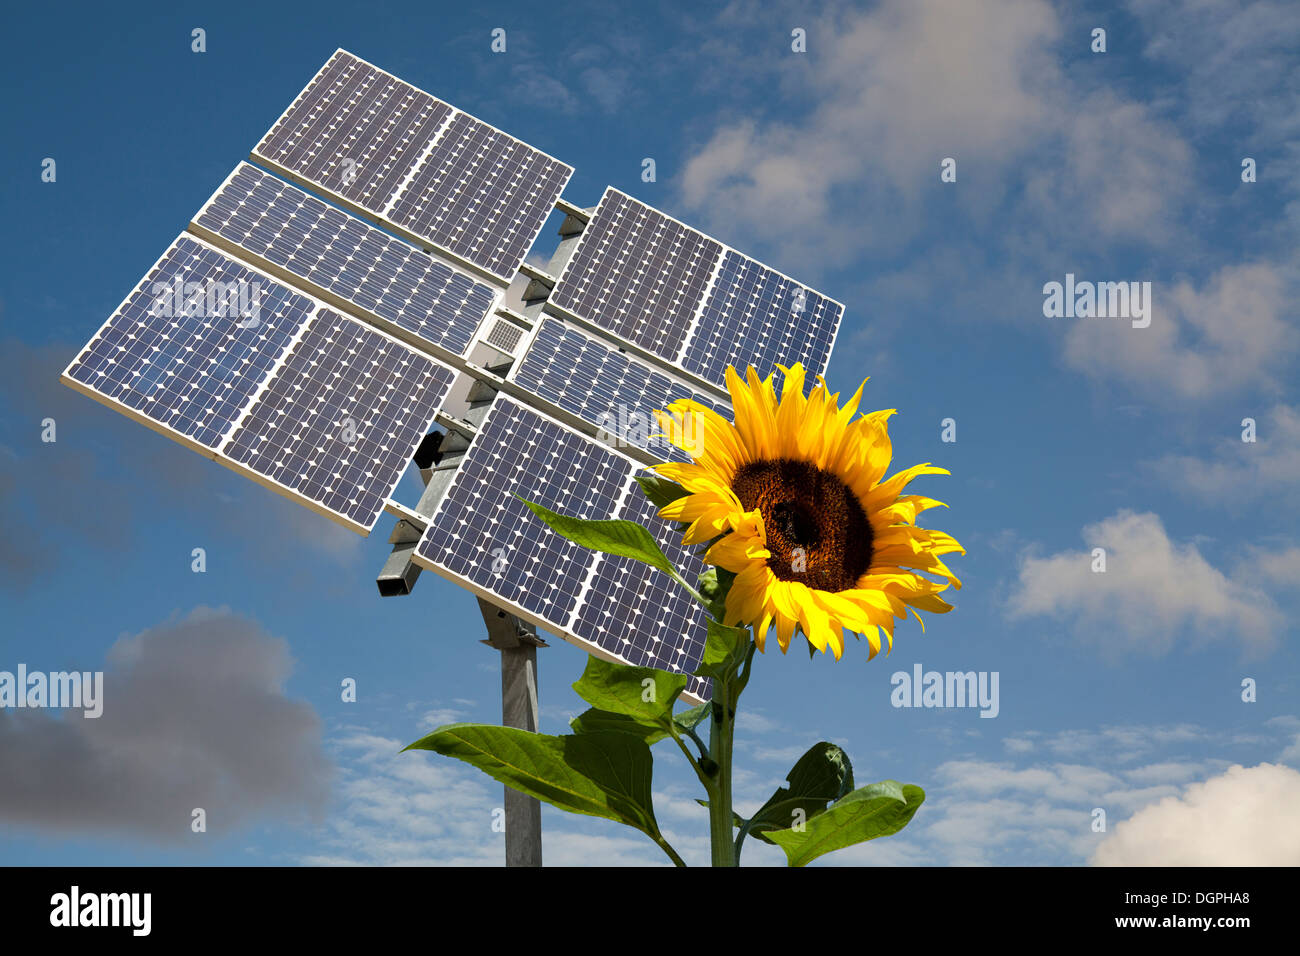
(873,811)
(690,719)
(724,651)
(660,491)
(624,689)
(822,775)
(595,721)
(626,539)
(600,774)
(713,587)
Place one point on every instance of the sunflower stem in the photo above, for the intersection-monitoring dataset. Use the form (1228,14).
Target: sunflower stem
(726,692)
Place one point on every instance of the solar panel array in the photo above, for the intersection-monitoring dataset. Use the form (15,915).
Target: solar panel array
(397,285)
(227,347)
(607,388)
(306,401)
(407,159)
(483,535)
(686,298)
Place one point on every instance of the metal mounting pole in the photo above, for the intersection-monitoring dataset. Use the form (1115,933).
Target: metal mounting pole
(518,642)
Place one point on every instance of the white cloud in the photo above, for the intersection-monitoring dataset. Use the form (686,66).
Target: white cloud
(1239,471)
(896,89)
(1152,592)
(1229,334)
(1244,817)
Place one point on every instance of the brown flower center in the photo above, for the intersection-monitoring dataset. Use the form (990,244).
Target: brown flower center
(816,529)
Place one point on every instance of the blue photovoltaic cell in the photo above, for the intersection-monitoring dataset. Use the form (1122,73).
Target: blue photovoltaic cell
(638,613)
(339,254)
(181,353)
(755,316)
(339,421)
(481,195)
(638,274)
(412,161)
(483,533)
(355,131)
(607,388)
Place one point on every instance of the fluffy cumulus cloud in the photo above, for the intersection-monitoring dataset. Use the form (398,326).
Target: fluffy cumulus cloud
(896,89)
(194,716)
(1243,817)
(1153,590)
(1235,331)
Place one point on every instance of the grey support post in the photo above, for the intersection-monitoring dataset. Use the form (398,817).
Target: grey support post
(517,642)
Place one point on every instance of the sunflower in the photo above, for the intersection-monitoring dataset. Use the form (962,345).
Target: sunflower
(793,500)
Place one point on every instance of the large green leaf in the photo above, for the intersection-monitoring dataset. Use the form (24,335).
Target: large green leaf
(627,539)
(724,651)
(873,811)
(713,587)
(645,694)
(821,776)
(600,774)
(660,491)
(595,721)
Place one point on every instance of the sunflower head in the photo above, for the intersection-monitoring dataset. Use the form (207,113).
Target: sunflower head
(792,498)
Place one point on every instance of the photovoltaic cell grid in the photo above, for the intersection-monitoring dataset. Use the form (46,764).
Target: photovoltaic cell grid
(411,160)
(755,316)
(355,131)
(607,388)
(484,534)
(638,274)
(638,613)
(174,359)
(646,278)
(482,195)
(339,254)
(339,421)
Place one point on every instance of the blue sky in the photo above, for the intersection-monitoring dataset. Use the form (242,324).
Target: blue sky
(1120,690)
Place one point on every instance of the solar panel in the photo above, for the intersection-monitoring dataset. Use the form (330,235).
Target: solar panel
(756,316)
(483,534)
(355,131)
(484,537)
(615,392)
(637,613)
(395,285)
(638,274)
(339,421)
(411,161)
(481,195)
(179,356)
(688,299)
